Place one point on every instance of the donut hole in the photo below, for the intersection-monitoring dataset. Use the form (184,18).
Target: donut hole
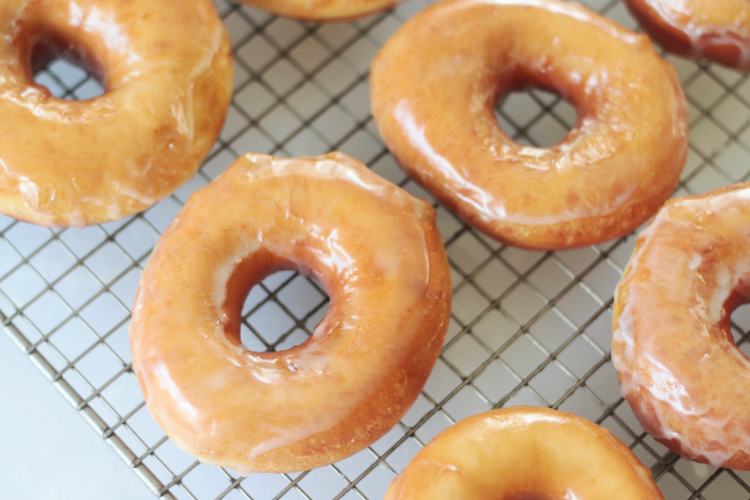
(66,70)
(281,311)
(740,321)
(535,116)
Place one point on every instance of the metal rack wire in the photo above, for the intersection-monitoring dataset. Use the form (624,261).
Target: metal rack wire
(527,327)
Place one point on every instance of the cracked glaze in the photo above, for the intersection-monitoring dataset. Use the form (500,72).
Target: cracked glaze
(678,365)
(524,452)
(167,75)
(376,251)
(437,79)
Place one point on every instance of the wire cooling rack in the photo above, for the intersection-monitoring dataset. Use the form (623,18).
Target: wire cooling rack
(527,327)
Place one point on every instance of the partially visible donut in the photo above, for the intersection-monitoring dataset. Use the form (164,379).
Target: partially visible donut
(716,30)
(323,10)
(524,452)
(167,73)
(376,251)
(434,86)
(672,345)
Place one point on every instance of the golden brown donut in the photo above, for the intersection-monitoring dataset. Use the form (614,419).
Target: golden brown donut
(524,453)
(376,251)
(717,30)
(434,87)
(323,10)
(167,74)
(675,356)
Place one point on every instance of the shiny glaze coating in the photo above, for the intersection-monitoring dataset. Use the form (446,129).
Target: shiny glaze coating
(434,88)
(717,30)
(167,73)
(376,251)
(524,452)
(323,10)
(678,365)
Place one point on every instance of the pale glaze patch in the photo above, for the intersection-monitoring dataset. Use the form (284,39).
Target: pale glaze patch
(372,246)
(524,452)
(672,348)
(717,30)
(434,86)
(323,10)
(168,82)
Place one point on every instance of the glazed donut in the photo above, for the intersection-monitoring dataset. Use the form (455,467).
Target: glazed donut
(434,87)
(675,356)
(524,452)
(323,10)
(377,252)
(717,30)
(167,74)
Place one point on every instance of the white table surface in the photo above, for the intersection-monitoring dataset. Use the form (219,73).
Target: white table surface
(47,450)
